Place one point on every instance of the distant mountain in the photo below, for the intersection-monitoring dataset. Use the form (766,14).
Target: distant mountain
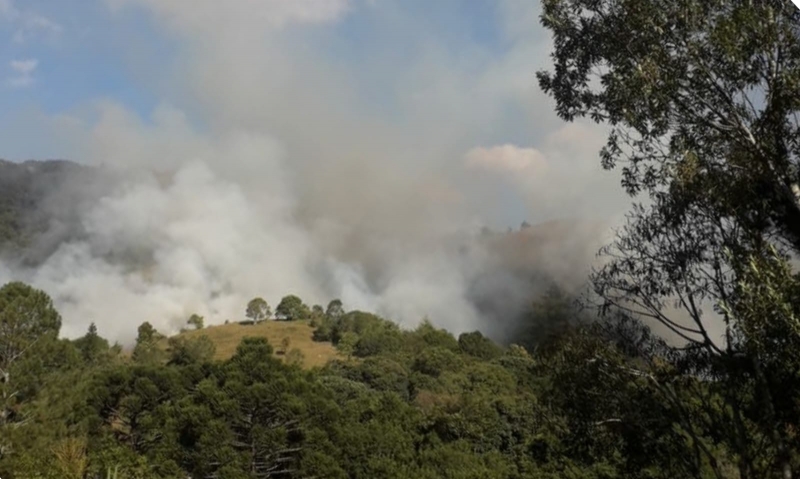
(40,203)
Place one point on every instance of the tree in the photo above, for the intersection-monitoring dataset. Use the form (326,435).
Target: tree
(701,97)
(291,307)
(335,309)
(27,315)
(28,324)
(92,346)
(317,315)
(552,314)
(184,351)
(258,310)
(147,349)
(347,344)
(475,344)
(702,103)
(196,321)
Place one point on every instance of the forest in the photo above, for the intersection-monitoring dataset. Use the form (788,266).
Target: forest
(700,99)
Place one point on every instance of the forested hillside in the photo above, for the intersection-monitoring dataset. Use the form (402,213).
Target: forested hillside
(404,404)
(40,205)
(23,187)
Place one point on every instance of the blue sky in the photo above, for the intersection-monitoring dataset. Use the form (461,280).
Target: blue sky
(89,51)
(84,57)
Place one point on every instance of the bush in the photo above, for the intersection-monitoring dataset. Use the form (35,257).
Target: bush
(431,336)
(295,357)
(385,374)
(477,345)
(357,322)
(323,331)
(434,361)
(184,351)
(347,343)
(374,342)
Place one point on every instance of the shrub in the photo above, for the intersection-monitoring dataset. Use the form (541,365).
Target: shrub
(434,361)
(477,345)
(376,341)
(295,357)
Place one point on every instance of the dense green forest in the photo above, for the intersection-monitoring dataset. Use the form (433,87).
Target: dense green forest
(701,101)
(418,403)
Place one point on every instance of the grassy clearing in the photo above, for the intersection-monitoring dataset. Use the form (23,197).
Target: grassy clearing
(227,337)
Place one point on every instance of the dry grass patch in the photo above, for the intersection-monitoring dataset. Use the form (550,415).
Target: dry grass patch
(227,337)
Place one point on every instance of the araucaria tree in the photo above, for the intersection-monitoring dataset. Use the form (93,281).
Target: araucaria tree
(701,98)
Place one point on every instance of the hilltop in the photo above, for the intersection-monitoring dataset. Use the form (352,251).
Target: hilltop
(227,337)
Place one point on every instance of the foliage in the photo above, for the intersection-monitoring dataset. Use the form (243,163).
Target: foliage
(335,309)
(417,403)
(476,344)
(258,310)
(147,348)
(295,357)
(195,321)
(184,351)
(347,343)
(291,308)
(702,101)
(92,346)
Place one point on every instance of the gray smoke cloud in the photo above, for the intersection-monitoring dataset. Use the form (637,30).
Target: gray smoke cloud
(269,168)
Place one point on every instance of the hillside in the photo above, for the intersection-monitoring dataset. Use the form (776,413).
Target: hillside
(41,204)
(227,337)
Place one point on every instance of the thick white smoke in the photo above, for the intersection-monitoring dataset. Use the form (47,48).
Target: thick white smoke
(268,169)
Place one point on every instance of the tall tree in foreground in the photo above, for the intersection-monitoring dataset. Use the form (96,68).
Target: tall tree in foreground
(28,322)
(702,100)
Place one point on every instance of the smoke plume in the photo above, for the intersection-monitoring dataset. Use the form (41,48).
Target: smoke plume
(274,165)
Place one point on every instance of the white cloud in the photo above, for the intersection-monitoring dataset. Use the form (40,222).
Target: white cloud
(238,16)
(7,10)
(507,159)
(27,23)
(24,67)
(33,24)
(23,72)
